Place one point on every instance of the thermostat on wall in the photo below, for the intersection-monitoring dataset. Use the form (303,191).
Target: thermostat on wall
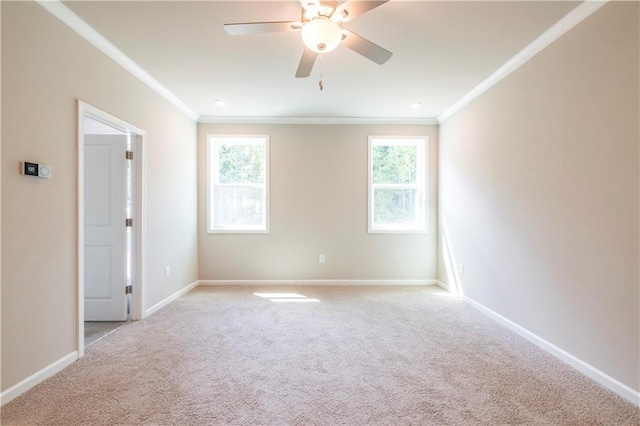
(35,169)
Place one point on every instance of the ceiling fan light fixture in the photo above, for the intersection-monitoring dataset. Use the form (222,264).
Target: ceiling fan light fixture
(321,34)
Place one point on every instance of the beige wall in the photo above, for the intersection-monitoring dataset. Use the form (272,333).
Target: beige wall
(318,205)
(539,193)
(45,67)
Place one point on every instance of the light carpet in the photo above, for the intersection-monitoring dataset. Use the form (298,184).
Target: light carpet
(359,356)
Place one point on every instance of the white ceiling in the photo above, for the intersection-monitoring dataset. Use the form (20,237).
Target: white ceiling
(442,50)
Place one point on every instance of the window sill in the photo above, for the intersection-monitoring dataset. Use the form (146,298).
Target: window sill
(398,231)
(237,231)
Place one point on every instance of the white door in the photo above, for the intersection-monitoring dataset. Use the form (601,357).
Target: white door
(105,237)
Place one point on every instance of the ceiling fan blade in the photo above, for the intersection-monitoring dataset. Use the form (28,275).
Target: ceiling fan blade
(306,63)
(354,8)
(247,28)
(365,47)
(310,5)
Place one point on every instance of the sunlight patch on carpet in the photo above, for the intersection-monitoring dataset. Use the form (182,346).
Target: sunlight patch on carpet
(286,297)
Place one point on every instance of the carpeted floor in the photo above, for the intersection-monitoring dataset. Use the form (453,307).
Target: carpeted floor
(358,356)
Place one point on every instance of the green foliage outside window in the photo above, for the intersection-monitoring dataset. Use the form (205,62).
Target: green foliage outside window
(395,165)
(241,163)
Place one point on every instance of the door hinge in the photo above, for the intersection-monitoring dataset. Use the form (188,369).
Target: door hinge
(128,222)
(129,155)
(128,289)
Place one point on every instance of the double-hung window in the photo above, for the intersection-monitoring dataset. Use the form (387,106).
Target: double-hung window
(238,183)
(397,184)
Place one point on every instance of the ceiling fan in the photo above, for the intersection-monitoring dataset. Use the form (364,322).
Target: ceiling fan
(322,32)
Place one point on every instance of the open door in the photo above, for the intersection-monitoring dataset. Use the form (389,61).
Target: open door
(111,189)
(105,234)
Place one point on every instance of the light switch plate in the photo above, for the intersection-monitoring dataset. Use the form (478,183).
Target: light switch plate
(35,169)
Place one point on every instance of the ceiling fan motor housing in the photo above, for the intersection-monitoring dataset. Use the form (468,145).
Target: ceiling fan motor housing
(314,9)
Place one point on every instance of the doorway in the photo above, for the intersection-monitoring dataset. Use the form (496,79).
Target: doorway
(110,207)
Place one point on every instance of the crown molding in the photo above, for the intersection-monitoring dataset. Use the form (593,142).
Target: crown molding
(73,21)
(570,20)
(209,119)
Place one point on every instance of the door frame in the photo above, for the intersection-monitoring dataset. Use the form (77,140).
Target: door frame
(138,261)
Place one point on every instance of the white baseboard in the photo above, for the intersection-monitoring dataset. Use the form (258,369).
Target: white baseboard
(586,369)
(443,285)
(170,299)
(36,378)
(319,282)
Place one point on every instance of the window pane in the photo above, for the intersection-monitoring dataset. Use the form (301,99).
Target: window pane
(238,207)
(395,207)
(395,164)
(241,163)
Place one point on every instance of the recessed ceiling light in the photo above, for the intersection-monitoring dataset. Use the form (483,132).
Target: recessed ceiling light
(416,105)
(220,102)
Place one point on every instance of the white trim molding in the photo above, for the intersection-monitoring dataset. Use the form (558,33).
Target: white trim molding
(570,20)
(73,21)
(210,119)
(319,282)
(443,285)
(170,299)
(38,377)
(575,362)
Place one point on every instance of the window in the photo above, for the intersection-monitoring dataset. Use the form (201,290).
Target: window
(238,190)
(397,184)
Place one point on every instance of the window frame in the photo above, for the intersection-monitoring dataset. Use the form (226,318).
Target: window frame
(422,184)
(213,141)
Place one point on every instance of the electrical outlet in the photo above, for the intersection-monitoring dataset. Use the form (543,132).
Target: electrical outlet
(461,268)
(167,271)
(321,258)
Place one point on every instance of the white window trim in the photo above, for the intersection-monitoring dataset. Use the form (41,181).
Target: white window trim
(211,138)
(423,175)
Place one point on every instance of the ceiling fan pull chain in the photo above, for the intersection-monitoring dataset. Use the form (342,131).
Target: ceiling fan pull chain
(321,83)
